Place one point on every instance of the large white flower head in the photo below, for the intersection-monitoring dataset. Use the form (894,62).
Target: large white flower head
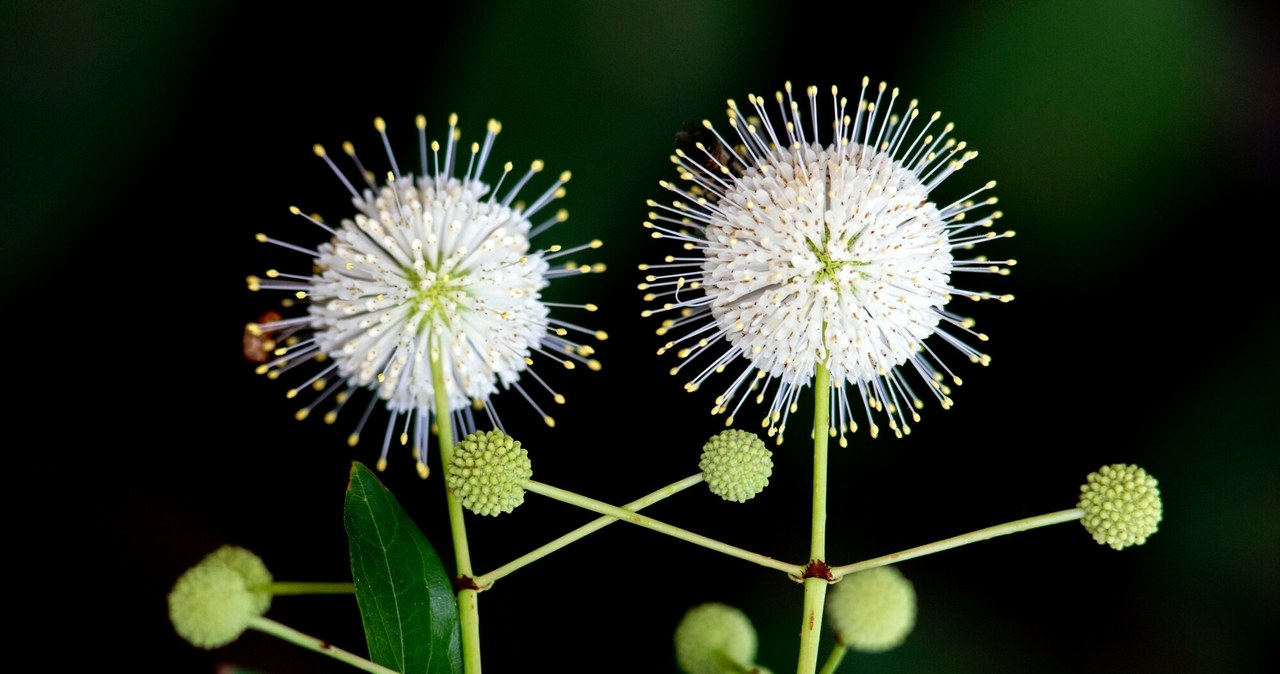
(431,268)
(810,254)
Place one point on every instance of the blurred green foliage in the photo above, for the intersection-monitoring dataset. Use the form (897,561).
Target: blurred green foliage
(89,90)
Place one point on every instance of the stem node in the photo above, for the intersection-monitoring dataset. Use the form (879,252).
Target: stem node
(818,569)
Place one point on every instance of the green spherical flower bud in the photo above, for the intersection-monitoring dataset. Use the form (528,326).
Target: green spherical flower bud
(736,465)
(872,611)
(251,569)
(210,605)
(1121,505)
(488,473)
(715,638)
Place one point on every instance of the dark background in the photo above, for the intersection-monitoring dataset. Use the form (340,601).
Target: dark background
(1136,148)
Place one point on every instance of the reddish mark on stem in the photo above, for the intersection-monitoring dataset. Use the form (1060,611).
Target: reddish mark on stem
(817,569)
(464,583)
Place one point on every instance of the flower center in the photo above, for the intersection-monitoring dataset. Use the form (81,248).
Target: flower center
(436,294)
(829,265)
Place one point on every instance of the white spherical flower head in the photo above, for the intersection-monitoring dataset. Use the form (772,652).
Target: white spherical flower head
(836,232)
(452,273)
(812,254)
(1121,505)
(432,285)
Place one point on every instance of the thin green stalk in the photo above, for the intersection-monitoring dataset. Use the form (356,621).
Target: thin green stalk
(487,579)
(269,626)
(468,610)
(815,588)
(280,589)
(660,527)
(963,539)
(834,660)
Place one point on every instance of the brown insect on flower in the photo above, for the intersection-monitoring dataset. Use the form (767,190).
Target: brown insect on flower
(259,343)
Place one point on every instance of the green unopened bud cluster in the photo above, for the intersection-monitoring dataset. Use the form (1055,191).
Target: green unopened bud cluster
(736,465)
(872,611)
(488,472)
(212,604)
(715,638)
(1121,505)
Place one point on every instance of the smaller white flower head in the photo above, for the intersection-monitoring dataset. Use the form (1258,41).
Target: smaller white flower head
(815,254)
(432,269)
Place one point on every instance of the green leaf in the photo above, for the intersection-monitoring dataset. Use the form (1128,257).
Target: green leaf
(406,599)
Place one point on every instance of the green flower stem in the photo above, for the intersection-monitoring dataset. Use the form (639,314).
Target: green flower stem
(487,579)
(834,660)
(263,624)
(815,588)
(963,539)
(660,527)
(468,611)
(280,589)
